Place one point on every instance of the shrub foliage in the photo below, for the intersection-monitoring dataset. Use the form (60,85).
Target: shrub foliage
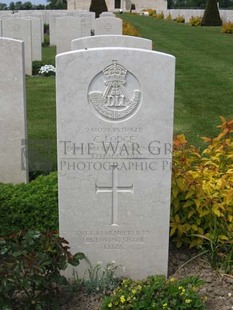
(98,6)
(130,30)
(155,292)
(227,28)
(202,192)
(30,269)
(29,206)
(202,187)
(180,19)
(211,15)
(195,20)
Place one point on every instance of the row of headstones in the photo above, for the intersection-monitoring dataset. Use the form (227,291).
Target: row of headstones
(68,28)
(30,31)
(62,31)
(114,135)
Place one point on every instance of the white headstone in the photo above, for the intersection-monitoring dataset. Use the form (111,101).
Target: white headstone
(115,128)
(68,28)
(34,14)
(20,29)
(107,14)
(108,25)
(36,38)
(87,20)
(52,26)
(86,27)
(13,150)
(111,41)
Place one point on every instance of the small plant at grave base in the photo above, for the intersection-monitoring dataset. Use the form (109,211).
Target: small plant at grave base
(130,30)
(156,292)
(47,70)
(30,269)
(195,20)
(219,248)
(180,19)
(101,279)
(202,196)
(227,28)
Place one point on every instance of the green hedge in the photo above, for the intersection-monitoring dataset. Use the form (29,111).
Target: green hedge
(29,206)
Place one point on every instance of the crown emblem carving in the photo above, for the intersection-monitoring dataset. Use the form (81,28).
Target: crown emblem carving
(114,103)
(114,72)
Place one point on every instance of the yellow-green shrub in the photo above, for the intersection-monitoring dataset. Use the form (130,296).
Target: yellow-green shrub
(202,190)
(195,20)
(160,15)
(169,17)
(227,28)
(180,19)
(130,30)
(151,12)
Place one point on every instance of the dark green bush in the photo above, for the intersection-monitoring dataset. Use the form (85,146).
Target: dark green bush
(133,7)
(46,40)
(30,265)
(46,28)
(211,16)
(98,6)
(29,206)
(36,65)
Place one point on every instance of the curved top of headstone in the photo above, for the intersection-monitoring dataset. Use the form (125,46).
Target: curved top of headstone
(111,41)
(107,14)
(10,41)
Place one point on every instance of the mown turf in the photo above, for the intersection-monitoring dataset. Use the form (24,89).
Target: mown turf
(41,118)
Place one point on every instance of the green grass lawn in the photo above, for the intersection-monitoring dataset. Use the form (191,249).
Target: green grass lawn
(41,117)
(204,79)
(204,72)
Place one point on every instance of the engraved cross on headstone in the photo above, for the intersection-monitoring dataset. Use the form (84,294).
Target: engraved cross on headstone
(108,27)
(114,189)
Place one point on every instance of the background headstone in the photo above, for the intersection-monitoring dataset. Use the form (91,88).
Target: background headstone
(107,14)
(20,29)
(87,20)
(68,28)
(87,23)
(34,14)
(13,133)
(115,128)
(108,25)
(111,41)
(36,38)
(52,25)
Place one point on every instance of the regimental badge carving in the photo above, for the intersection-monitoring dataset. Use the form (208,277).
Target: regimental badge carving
(115,93)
